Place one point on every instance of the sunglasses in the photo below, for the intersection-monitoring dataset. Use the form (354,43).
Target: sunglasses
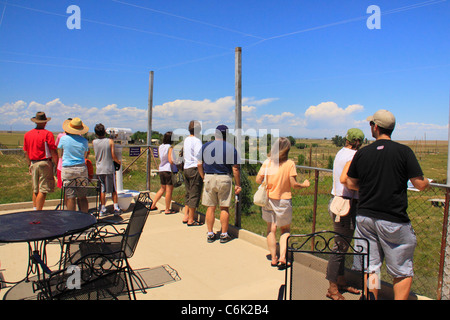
(372,123)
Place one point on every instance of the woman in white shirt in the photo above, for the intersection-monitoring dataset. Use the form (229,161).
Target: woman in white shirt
(344,225)
(166,167)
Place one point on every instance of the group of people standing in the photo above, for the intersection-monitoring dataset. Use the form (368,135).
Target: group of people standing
(68,158)
(208,171)
(373,179)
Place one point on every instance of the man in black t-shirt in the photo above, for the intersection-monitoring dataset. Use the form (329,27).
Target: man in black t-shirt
(380,171)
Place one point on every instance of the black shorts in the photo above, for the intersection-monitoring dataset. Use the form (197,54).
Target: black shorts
(166,178)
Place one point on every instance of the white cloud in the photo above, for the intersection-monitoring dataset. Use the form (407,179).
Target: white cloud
(330,110)
(326,119)
(167,116)
(275,118)
(248,109)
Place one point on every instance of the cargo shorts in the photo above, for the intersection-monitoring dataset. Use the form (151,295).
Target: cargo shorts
(217,190)
(42,177)
(390,241)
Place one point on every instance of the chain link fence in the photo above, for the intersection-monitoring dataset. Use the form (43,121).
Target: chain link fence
(428,210)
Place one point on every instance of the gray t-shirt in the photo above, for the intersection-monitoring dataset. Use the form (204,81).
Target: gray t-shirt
(103,158)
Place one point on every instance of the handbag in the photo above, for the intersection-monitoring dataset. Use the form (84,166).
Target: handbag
(261,197)
(177,179)
(340,207)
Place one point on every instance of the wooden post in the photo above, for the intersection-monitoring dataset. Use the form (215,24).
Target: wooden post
(149,129)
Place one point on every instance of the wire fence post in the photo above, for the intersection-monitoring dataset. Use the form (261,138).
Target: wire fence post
(238,124)
(443,290)
(316,191)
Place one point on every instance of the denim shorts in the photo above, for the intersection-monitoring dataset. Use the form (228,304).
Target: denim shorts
(391,241)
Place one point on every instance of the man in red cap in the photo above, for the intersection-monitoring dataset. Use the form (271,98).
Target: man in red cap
(40,150)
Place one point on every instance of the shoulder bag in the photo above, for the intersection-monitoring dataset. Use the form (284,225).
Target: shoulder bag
(339,206)
(261,197)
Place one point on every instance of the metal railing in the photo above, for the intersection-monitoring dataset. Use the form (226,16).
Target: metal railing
(428,210)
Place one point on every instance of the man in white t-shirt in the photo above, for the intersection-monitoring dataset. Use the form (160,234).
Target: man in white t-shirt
(193,180)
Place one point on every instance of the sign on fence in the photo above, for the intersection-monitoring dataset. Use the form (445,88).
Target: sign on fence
(155,152)
(135,151)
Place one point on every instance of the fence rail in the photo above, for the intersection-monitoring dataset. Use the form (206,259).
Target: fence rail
(428,210)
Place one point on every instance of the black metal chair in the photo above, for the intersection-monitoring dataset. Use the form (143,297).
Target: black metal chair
(91,187)
(94,276)
(110,239)
(308,256)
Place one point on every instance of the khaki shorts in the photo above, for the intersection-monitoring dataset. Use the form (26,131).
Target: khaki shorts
(42,176)
(217,190)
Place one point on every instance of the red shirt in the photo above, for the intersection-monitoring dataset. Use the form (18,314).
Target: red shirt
(34,144)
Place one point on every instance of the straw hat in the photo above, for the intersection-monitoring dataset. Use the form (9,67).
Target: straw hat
(75,126)
(40,117)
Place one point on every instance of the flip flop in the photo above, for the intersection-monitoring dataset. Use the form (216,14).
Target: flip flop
(283,266)
(195,223)
(155,208)
(171,211)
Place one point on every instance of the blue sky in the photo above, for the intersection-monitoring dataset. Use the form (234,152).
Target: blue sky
(310,68)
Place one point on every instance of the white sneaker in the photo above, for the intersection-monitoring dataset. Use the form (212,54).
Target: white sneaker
(103,213)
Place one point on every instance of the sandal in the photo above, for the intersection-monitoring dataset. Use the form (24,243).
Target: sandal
(335,295)
(171,211)
(283,265)
(155,208)
(195,223)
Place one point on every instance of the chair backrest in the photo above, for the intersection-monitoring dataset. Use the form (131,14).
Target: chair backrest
(92,277)
(309,255)
(90,187)
(134,228)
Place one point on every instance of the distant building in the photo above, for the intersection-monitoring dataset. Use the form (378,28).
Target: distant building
(120,135)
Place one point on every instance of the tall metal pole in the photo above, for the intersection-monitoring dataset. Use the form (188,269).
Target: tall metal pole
(149,128)
(444,269)
(238,122)
(448,146)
